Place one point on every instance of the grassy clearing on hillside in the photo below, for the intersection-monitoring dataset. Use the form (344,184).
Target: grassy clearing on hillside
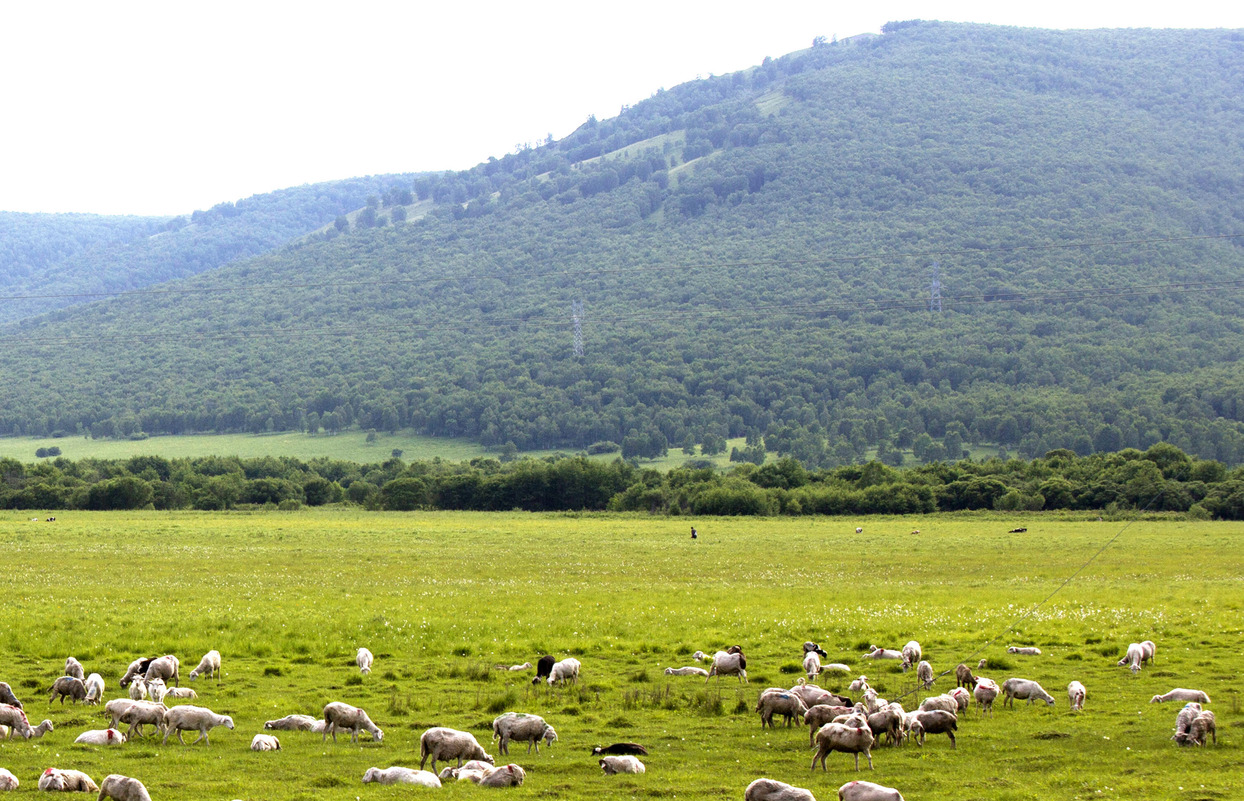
(442,597)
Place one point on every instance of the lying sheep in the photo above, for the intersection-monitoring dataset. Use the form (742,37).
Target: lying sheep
(291,723)
(1134,656)
(937,721)
(812,665)
(510,775)
(477,765)
(838,667)
(193,718)
(209,666)
(566,670)
(74,668)
(140,713)
(924,674)
(686,671)
(444,744)
(773,790)
(7,696)
(882,653)
(180,692)
(785,704)
(1024,689)
(1202,725)
(985,693)
(912,653)
(859,685)
(634,749)
(847,739)
(14,719)
(348,718)
(521,727)
(1180,694)
(68,687)
(94,688)
(102,737)
(867,791)
(524,666)
(726,663)
(700,656)
(613,765)
(7,780)
(166,668)
(397,775)
(122,788)
(1026,650)
(1183,721)
(265,742)
(964,677)
(68,781)
(364,659)
(1076,694)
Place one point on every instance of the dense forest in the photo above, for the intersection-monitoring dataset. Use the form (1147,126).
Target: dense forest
(753,254)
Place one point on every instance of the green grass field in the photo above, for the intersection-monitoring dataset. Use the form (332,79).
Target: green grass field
(442,597)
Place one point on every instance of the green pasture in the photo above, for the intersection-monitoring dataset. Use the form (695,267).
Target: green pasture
(441,598)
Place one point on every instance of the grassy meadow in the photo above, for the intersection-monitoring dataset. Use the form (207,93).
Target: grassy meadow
(441,598)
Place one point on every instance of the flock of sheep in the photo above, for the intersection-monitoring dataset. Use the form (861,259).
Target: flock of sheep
(836,722)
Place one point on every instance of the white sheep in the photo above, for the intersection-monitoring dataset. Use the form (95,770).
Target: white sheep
(817,716)
(166,667)
(847,739)
(157,689)
(1203,724)
(924,674)
(788,705)
(94,688)
(812,665)
(888,721)
(292,723)
(265,742)
(451,772)
(985,692)
(836,666)
(138,689)
(1181,694)
(566,670)
(193,718)
(14,719)
(773,790)
(364,659)
(1026,650)
(444,744)
(399,775)
(912,653)
(510,775)
(1076,694)
(981,664)
(122,788)
(868,791)
(7,780)
(810,694)
(1183,721)
(102,737)
(961,695)
(613,765)
(1024,689)
(876,652)
(859,685)
(524,666)
(348,718)
(139,713)
(74,668)
(726,663)
(521,727)
(944,702)
(686,671)
(1134,656)
(209,666)
(68,781)
(1150,649)
(180,692)
(700,656)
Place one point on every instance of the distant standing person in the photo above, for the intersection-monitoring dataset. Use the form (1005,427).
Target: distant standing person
(693,534)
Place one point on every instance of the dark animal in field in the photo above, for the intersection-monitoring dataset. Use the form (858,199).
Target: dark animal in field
(544,668)
(7,696)
(634,749)
(809,647)
(1017,531)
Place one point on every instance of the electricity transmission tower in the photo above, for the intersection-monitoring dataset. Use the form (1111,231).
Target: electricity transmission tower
(576,310)
(935,287)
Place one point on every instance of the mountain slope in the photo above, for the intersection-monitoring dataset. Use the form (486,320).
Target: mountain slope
(752,252)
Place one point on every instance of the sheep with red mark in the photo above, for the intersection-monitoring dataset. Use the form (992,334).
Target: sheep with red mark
(67,781)
(102,737)
(7,780)
(1076,694)
(442,744)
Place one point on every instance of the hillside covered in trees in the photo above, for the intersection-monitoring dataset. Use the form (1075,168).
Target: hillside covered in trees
(753,256)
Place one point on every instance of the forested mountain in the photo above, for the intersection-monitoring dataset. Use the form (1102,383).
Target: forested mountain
(753,255)
(49,261)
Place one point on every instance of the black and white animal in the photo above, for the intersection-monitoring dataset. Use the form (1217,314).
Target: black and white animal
(544,668)
(632,749)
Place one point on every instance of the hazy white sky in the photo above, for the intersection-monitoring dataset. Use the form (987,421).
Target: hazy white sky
(167,107)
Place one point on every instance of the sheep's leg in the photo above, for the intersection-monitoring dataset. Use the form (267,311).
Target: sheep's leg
(951,735)
(868,754)
(179,737)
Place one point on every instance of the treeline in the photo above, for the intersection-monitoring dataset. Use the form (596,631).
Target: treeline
(1161,478)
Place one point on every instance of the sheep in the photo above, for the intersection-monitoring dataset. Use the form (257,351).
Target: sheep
(882,653)
(1202,725)
(510,775)
(138,689)
(924,674)
(102,737)
(139,713)
(463,774)
(94,689)
(1180,694)
(209,666)
(946,703)
(726,663)
(524,666)
(1183,721)
(962,696)
(787,705)
(868,791)
(1024,689)
(157,689)
(613,765)
(812,665)
(1149,650)
(477,765)
(397,775)
(859,529)
(122,788)
(565,670)
(887,721)
(193,718)
(1134,656)
(985,693)
(700,656)
(348,718)
(634,749)
(773,790)
(265,742)
(7,696)
(7,780)
(544,666)
(686,671)
(1026,650)
(820,714)
(964,677)
(1075,695)
(981,664)
(872,702)
(74,668)
(811,695)
(291,723)
(137,668)
(68,687)
(937,721)
(69,781)
(15,721)
(445,744)
(912,654)
(364,659)
(530,729)
(836,666)
(166,667)
(847,739)
(180,692)
(859,685)
(812,648)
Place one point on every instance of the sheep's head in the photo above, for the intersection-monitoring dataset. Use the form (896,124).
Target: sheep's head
(371,775)
(228,722)
(550,736)
(54,780)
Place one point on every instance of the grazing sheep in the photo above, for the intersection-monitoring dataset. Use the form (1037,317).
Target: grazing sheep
(847,739)
(924,674)
(68,687)
(1149,650)
(811,695)
(812,648)
(94,688)
(1180,694)
(1027,650)
(137,668)
(265,742)
(193,718)
(1202,725)
(68,781)
(565,670)
(1024,689)
(364,659)
(1075,695)
(985,693)
(102,737)
(510,775)
(7,780)
(882,653)
(868,791)
(520,727)
(964,677)
(946,703)
(166,667)
(634,749)
(820,714)
(728,664)
(544,666)
(912,653)
(180,692)
(887,721)
(74,668)
(686,671)
(14,719)
(962,696)
(209,666)
(812,665)
(397,775)
(139,713)
(786,704)
(122,788)
(1183,721)
(348,718)
(445,744)
(1134,656)
(138,689)
(937,721)
(613,765)
(291,723)
(7,696)
(772,790)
